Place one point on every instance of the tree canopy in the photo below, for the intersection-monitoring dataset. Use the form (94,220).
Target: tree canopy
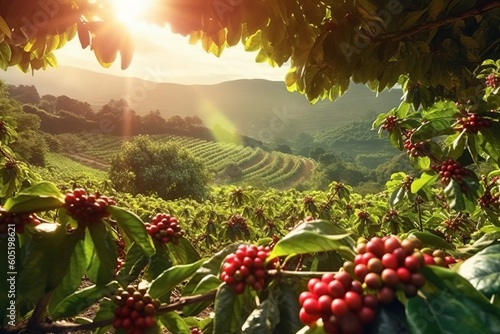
(431,48)
(167,170)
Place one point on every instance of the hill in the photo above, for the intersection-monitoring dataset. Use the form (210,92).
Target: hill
(258,108)
(230,163)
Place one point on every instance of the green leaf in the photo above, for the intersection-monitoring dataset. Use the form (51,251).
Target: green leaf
(457,147)
(223,308)
(73,277)
(133,227)
(158,263)
(454,195)
(82,299)
(436,7)
(446,279)
(330,238)
(206,279)
(135,261)
(103,259)
(483,270)
(469,42)
(254,42)
(289,307)
(167,281)
(403,110)
(40,197)
(431,240)
(174,323)
(434,315)
(4,28)
(106,311)
(263,319)
(46,258)
(390,319)
(451,305)
(411,19)
(492,236)
(433,128)
(183,252)
(491,142)
(207,283)
(396,139)
(494,173)
(304,242)
(423,162)
(441,110)
(425,180)
(397,196)
(5,55)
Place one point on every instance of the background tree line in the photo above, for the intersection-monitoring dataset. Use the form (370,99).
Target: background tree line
(62,114)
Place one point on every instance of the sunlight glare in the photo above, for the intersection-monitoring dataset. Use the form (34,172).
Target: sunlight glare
(130,12)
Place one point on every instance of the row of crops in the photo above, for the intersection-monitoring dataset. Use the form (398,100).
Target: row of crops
(229,163)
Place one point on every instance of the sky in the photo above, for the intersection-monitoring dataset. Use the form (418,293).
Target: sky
(163,56)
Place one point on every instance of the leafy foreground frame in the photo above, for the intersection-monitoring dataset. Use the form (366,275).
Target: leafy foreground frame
(53,257)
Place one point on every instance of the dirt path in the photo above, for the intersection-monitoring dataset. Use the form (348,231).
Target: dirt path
(88,161)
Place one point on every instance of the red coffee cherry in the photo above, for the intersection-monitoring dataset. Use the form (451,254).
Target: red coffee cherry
(164,229)
(87,209)
(135,311)
(247,266)
(18,220)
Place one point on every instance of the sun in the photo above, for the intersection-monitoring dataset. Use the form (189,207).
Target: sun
(130,12)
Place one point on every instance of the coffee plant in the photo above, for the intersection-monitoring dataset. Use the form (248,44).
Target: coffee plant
(420,257)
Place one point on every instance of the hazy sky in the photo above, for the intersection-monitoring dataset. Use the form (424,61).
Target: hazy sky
(161,55)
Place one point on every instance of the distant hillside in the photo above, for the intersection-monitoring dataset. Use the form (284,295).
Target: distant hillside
(259,108)
(229,163)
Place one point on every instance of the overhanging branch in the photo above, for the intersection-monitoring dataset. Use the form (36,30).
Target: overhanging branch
(399,35)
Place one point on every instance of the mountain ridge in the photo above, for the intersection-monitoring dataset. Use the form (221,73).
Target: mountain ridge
(260,108)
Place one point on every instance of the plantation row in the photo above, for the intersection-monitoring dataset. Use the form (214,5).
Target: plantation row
(232,213)
(249,165)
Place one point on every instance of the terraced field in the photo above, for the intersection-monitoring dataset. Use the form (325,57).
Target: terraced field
(231,164)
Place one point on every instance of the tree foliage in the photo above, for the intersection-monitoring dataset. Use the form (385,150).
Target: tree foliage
(28,143)
(168,170)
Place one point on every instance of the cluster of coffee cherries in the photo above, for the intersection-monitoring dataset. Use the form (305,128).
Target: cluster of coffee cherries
(386,265)
(87,208)
(450,169)
(237,221)
(19,220)
(391,215)
(472,123)
(493,80)
(247,266)
(348,300)
(136,310)
(120,252)
(414,149)
(488,200)
(363,215)
(437,257)
(339,301)
(407,182)
(196,330)
(308,200)
(164,228)
(390,123)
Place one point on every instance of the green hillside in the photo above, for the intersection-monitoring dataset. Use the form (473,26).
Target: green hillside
(258,108)
(229,163)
